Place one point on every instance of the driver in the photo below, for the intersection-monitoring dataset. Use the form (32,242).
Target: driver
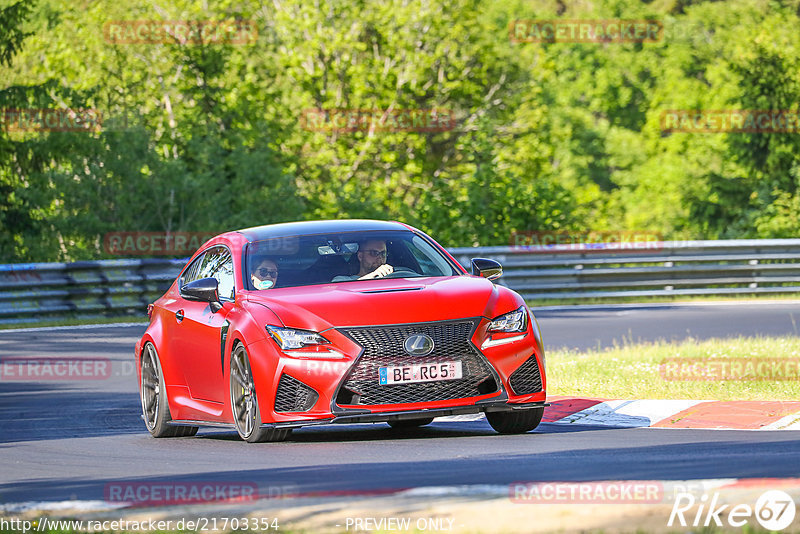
(265,276)
(371,260)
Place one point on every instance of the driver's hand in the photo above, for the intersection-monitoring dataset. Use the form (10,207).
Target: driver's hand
(383,270)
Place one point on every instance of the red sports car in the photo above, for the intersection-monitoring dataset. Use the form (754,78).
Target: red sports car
(282,326)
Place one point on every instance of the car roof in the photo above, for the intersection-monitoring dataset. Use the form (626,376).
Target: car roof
(270,231)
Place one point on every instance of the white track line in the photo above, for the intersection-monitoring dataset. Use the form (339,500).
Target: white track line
(74,327)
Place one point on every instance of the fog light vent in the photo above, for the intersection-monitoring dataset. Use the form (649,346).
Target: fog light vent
(294,396)
(527,378)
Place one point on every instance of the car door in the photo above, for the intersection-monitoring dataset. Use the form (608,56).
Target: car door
(199,334)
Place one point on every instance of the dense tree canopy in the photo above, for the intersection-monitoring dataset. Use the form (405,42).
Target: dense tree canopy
(209,134)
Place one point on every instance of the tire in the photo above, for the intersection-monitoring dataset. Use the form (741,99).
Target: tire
(515,422)
(410,423)
(153,393)
(244,402)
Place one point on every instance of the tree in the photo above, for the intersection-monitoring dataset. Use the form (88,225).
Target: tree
(26,198)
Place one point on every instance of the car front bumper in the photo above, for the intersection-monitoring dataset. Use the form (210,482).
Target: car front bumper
(383,417)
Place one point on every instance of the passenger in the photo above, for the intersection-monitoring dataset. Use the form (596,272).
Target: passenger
(266,275)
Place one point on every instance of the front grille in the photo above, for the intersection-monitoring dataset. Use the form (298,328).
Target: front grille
(526,379)
(294,396)
(383,346)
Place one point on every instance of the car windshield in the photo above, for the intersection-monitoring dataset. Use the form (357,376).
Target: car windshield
(341,258)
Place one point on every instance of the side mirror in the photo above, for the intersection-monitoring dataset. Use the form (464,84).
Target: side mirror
(486,268)
(203,290)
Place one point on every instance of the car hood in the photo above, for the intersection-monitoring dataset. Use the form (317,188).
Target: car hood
(392,301)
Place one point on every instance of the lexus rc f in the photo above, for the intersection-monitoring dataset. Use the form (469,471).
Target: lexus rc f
(277,327)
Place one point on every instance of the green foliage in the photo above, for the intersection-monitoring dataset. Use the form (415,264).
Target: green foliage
(26,196)
(547,136)
(11,32)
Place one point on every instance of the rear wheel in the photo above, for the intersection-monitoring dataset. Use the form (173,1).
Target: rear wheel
(244,402)
(516,421)
(155,408)
(410,423)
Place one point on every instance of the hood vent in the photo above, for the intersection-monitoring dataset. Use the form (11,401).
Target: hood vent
(391,290)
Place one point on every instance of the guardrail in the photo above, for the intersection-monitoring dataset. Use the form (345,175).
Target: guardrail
(32,292)
(38,291)
(648,269)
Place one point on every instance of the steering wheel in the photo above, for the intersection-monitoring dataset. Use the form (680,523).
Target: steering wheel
(401,272)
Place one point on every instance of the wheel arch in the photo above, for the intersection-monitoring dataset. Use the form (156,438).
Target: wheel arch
(264,369)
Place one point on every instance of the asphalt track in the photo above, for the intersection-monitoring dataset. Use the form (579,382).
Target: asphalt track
(584,327)
(67,440)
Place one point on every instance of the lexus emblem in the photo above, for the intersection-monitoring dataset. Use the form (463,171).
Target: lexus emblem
(418,345)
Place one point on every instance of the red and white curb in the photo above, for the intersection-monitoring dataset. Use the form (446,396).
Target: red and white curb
(699,414)
(717,415)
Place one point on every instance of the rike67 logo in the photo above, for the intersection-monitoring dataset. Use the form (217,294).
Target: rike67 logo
(774,510)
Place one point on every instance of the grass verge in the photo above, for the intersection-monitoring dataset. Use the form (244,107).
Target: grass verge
(715,369)
(678,299)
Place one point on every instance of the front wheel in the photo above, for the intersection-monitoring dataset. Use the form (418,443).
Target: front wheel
(155,408)
(516,421)
(244,402)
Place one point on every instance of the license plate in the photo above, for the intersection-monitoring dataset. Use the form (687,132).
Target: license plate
(424,372)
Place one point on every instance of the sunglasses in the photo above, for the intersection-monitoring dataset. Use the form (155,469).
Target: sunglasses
(376,253)
(267,272)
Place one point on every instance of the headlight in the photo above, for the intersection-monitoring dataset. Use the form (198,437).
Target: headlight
(290,338)
(515,321)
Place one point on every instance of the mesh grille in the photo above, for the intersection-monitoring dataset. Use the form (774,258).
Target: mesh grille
(527,379)
(294,396)
(383,346)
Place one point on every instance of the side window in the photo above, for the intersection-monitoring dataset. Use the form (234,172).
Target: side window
(431,262)
(218,264)
(192,272)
